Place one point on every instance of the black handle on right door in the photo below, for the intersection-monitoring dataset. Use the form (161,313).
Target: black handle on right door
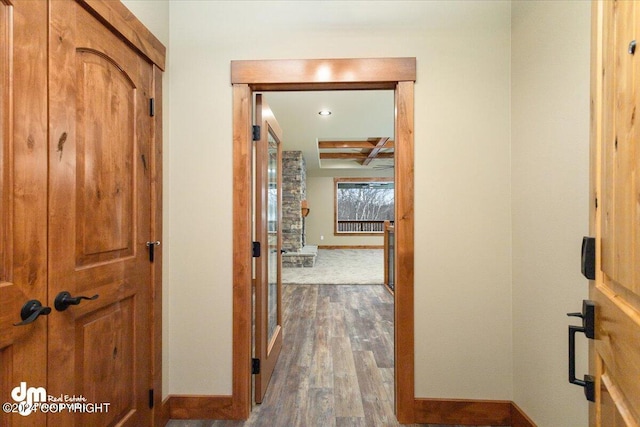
(64,300)
(588,328)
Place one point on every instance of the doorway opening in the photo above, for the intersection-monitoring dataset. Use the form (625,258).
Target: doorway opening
(397,74)
(337,192)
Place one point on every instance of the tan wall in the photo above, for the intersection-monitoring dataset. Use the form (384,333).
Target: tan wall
(467,173)
(155,16)
(463,230)
(550,145)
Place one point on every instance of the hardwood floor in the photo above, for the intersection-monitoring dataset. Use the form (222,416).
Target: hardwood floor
(336,365)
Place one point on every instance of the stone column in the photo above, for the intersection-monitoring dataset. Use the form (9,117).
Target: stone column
(294,191)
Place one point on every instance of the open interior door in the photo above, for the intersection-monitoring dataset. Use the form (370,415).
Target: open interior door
(268,229)
(615,213)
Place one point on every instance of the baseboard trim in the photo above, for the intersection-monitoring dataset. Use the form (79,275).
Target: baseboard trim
(351,247)
(462,412)
(426,411)
(519,418)
(162,414)
(194,407)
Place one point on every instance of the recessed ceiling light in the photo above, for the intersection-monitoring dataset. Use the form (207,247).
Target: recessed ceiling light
(324,112)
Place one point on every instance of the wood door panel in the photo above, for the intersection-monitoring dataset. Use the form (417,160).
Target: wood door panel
(607,141)
(618,335)
(100,219)
(75,214)
(613,406)
(23,205)
(106,103)
(622,210)
(616,291)
(6,380)
(105,355)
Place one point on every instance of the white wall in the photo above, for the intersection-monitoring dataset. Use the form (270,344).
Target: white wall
(462,175)
(550,144)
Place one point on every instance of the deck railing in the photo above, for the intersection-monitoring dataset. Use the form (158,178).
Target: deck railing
(360,226)
(389,255)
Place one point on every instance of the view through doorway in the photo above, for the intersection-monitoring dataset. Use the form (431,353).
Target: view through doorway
(338,317)
(341,170)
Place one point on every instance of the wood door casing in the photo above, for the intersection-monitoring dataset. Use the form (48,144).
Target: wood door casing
(23,206)
(320,74)
(99,219)
(615,213)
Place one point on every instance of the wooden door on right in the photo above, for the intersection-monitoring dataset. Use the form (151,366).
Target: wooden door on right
(615,213)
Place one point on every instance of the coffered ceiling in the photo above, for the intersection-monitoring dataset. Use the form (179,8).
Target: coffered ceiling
(356,139)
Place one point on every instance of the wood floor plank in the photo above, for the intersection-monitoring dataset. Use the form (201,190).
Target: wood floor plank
(319,409)
(348,400)
(370,378)
(321,369)
(351,422)
(378,413)
(336,321)
(388,382)
(336,365)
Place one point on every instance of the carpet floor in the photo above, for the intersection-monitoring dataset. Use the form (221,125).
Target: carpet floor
(340,267)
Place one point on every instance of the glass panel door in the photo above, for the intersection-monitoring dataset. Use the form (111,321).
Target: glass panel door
(273,218)
(267,217)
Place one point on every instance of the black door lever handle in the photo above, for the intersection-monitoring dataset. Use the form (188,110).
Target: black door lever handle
(64,300)
(588,316)
(31,310)
(588,328)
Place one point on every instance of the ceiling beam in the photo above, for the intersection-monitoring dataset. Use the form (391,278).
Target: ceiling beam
(352,144)
(353,156)
(376,151)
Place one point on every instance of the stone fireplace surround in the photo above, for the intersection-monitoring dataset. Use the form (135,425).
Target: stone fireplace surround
(294,191)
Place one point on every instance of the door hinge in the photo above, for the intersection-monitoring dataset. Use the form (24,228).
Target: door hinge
(256,133)
(152,107)
(255,366)
(152,249)
(255,250)
(151,398)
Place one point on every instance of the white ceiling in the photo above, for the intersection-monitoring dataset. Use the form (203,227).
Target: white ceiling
(355,115)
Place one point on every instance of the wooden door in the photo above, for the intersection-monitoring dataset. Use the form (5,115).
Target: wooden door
(23,204)
(615,214)
(268,218)
(99,221)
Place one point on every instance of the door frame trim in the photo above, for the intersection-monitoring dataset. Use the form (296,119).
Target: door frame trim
(595,136)
(398,74)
